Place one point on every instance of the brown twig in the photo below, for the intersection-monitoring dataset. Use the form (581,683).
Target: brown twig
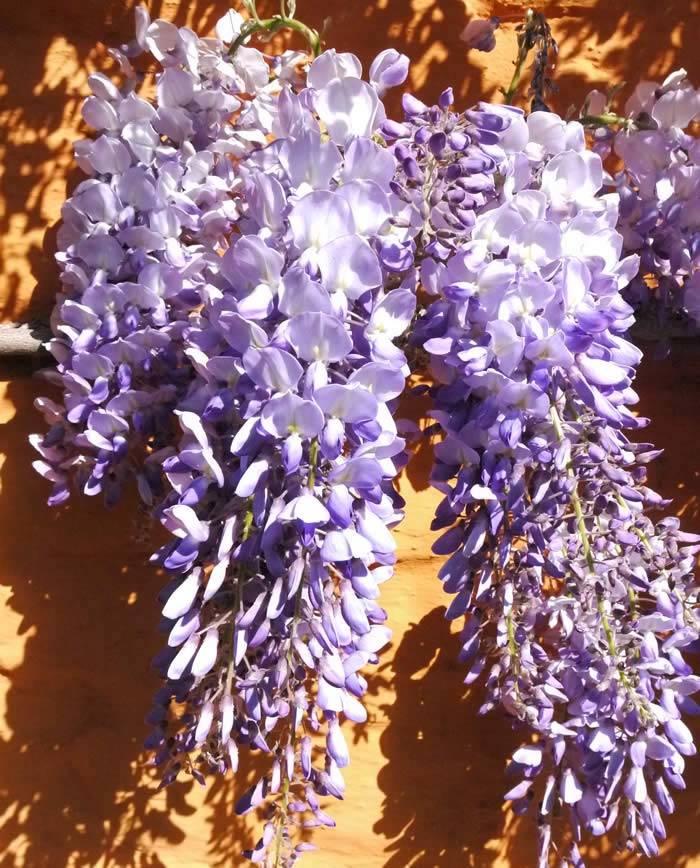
(24,339)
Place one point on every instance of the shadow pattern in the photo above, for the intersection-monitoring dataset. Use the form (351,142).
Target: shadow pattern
(73,791)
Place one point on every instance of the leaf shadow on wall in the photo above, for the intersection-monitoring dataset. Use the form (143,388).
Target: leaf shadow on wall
(75,787)
(71,779)
(444,775)
(72,788)
(619,42)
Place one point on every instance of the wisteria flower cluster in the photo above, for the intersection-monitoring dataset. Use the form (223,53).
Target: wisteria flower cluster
(658,184)
(282,481)
(579,607)
(228,338)
(256,263)
(135,244)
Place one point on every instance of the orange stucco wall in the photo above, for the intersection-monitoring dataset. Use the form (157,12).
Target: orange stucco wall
(77,600)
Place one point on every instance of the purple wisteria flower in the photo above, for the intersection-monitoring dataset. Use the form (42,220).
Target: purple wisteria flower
(281,487)
(480,33)
(578,606)
(228,335)
(135,244)
(659,189)
(238,318)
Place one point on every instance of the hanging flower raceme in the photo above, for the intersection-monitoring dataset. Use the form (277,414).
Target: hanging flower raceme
(282,483)
(240,274)
(577,601)
(658,184)
(135,244)
(276,362)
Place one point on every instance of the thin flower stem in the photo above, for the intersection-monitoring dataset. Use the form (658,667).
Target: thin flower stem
(313,461)
(608,119)
(232,662)
(510,622)
(286,783)
(534,33)
(523,51)
(513,648)
(609,636)
(284,812)
(575,499)
(273,25)
(509,95)
(247,524)
(585,541)
(247,527)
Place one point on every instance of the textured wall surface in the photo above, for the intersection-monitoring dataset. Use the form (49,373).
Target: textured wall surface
(77,599)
